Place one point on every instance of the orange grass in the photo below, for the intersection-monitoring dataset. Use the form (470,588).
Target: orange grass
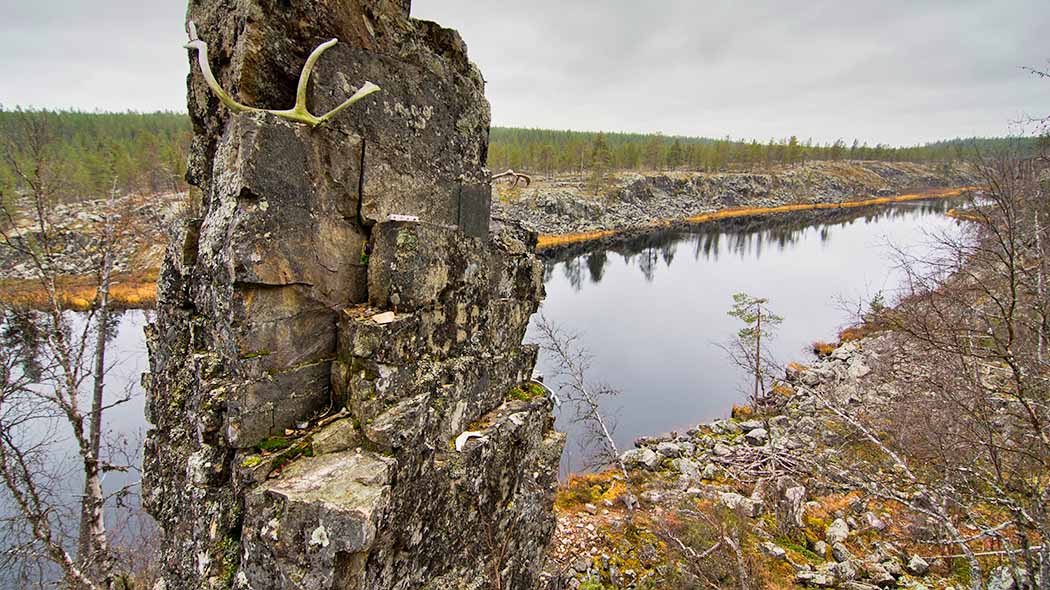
(956,214)
(548,241)
(130,290)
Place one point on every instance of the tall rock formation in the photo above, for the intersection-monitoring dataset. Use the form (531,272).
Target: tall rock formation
(304,437)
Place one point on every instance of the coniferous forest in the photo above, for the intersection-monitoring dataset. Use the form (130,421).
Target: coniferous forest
(147,152)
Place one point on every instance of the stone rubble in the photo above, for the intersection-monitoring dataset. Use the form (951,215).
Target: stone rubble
(708,462)
(635,200)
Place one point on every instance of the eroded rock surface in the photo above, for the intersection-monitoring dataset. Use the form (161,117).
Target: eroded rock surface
(312,360)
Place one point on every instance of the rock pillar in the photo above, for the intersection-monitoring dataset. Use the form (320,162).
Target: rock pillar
(338,315)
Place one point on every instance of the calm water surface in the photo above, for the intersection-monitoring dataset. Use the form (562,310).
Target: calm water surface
(652,310)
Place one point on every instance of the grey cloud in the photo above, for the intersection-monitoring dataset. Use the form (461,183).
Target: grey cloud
(897,71)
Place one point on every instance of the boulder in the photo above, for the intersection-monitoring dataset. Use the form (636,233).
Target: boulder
(669,450)
(689,469)
(773,550)
(644,457)
(917,566)
(873,521)
(709,472)
(757,437)
(737,503)
(840,553)
(837,532)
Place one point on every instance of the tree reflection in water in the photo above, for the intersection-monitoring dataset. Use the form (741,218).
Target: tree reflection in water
(741,237)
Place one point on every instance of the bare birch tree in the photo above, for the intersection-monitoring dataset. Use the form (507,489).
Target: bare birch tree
(584,396)
(61,401)
(960,416)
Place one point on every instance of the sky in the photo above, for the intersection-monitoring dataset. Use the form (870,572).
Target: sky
(896,71)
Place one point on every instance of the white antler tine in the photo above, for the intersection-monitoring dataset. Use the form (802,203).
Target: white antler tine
(192,29)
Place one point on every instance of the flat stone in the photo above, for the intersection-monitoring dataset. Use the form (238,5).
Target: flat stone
(837,532)
(773,550)
(757,437)
(917,566)
(669,450)
(644,457)
(337,436)
(746,506)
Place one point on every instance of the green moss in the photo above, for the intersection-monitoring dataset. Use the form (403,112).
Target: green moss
(252,461)
(256,354)
(230,548)
(961,571)
(273,444)
(591,584)
(791,546)
(526,392)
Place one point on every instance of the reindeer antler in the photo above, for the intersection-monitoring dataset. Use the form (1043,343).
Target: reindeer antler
(517,176)
(299,113)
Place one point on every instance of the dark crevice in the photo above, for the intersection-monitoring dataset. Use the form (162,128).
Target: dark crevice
(361,186)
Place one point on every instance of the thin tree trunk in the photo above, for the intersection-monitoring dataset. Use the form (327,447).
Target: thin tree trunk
(93,544)
(758,355)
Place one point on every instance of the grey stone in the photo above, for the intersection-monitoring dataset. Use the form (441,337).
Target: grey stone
(644,457)
(817,579)
(688,468)
(722,450)
(749,425)
(746,506)
(709,472)
(337,436)
(757,437)
(837,532)
(669,450)
(840,553)
(917,566)
(878,575)
(845,570)
(773,550)
(474,210)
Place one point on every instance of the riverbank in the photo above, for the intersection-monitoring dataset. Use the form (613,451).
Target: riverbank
(552,242)
(568,209)
(898,458)
(761,495)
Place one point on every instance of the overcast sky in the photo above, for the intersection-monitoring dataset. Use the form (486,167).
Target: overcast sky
(894,71)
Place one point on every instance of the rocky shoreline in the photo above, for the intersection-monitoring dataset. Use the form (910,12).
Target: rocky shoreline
(569,206)
(807,526)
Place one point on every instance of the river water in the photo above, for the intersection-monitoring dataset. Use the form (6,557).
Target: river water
(651,310)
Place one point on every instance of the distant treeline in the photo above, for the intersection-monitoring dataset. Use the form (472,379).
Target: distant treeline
(88,152)
(546,151)
(146,152)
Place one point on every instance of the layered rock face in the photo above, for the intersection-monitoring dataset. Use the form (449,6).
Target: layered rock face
(314,360)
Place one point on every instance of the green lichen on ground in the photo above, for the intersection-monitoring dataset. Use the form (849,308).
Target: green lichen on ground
(230,550)
(526,392)
(252,461)
(273,444)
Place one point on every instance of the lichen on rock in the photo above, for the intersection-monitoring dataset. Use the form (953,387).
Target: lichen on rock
(311,360)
